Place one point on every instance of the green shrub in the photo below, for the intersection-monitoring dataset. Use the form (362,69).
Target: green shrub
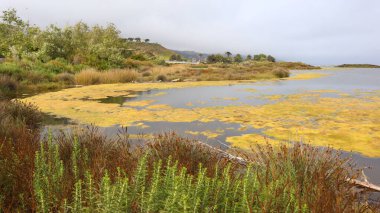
(281,72)
(57,66)
(135,64)
(161,78)
(80,67)
(161,63)
(34,77)
(10,68)
(139,57)
(65,78)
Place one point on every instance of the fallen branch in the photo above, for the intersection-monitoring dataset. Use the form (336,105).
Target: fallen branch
(365,185)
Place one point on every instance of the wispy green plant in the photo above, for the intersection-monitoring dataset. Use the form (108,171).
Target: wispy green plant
(48,177)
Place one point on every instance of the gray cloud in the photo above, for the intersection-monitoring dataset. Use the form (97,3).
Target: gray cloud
(317,32)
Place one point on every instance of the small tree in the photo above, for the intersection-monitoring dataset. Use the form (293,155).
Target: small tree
(138,39)
(173,57)
(228,54)
(176,57)
(216,59)
(249,57)
(130,39)
(179,58)
(260,57)
(10,17)
(147,40)
(238,58)
(271,58)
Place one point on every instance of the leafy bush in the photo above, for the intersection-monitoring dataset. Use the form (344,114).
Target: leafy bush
(135,64)
(57,66)
(9,68)
(161,78)
(139,57)
(281,72)
(65,78)
(35,77)
(161,63)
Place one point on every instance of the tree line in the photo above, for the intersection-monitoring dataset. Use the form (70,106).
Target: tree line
(238,58)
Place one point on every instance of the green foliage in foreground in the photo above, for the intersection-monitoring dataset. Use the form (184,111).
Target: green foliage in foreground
(166,187)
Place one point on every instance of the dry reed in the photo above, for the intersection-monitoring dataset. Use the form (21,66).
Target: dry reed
(92,76)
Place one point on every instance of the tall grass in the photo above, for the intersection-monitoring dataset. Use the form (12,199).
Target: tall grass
(91,76)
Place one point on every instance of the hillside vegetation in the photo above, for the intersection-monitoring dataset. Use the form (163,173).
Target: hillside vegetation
(152,51)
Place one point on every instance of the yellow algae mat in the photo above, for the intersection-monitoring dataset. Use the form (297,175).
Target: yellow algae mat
(351,123)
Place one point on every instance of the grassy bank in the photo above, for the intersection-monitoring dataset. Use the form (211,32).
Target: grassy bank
(84,171)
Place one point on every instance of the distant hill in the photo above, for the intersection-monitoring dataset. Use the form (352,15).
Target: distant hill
(296,65)
(359,66)
(191,54)
(150,49)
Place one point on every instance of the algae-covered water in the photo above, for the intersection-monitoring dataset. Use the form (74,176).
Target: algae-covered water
(336,107)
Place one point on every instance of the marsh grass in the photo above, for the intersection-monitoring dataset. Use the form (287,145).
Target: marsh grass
(19,140)
(92,76)
(317,176)
(8,84)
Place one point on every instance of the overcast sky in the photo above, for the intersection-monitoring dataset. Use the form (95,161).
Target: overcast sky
(319,32)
